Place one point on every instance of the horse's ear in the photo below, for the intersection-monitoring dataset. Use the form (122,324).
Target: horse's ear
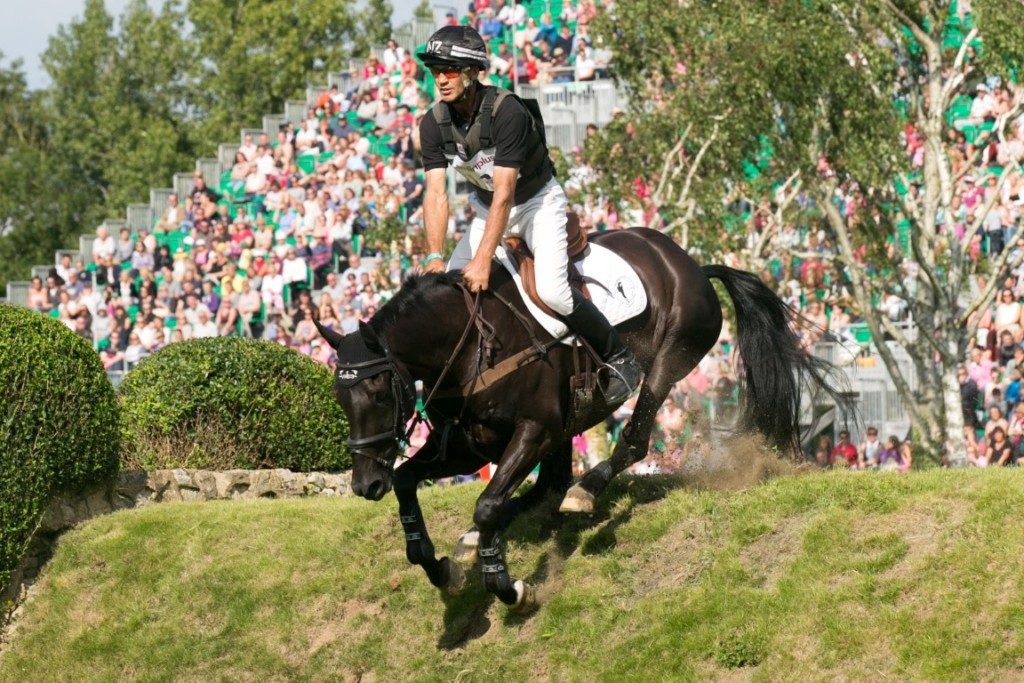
(332,337)
(370,338)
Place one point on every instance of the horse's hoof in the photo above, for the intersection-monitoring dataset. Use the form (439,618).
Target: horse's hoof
(456,579)
(465,550)
(577,499)
(526,597)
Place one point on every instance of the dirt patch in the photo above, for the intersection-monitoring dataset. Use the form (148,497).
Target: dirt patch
(926,531)
(329,622)
(678,559)
(770,555)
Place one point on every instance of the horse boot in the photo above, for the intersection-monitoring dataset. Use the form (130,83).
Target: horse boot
(623,369)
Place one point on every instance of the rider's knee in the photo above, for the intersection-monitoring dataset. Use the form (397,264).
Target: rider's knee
(487,515)
(556,295)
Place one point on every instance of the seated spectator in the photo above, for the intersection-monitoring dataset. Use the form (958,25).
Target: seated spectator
(564,40)
(585,67)
(38,299)
(1000,450)
(141,259)
(204,325)
(227,314)
(135,351)
(996,420)
(103,246)
(844,452)
(526,35)
(547,31)
(490,25)
(393,56)
(889,458)
(869,449)
(124,247)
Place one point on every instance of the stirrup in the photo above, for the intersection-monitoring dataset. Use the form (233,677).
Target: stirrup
(623,378)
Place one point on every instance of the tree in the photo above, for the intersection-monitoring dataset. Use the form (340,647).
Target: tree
(123,115)
(377,20)
(831,89)
(424,10)
(41,200)
(253,56)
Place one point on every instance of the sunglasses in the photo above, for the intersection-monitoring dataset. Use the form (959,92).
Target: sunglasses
(448,71)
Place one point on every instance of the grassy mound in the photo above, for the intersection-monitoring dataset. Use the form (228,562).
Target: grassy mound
(813,577)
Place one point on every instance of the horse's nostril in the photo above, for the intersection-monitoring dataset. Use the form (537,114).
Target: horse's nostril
(376,490)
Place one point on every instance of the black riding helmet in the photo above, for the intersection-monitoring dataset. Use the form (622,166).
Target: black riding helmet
(455,46)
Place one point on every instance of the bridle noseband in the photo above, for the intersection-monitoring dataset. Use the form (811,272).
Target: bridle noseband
(402,386)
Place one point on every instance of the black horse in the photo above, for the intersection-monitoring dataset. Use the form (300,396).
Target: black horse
(428,331)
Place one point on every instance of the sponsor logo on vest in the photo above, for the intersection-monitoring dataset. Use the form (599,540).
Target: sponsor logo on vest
(483,161)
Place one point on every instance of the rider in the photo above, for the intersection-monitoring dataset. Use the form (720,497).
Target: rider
(515,193)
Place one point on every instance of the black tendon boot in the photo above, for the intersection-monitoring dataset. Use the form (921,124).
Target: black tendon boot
(621,367)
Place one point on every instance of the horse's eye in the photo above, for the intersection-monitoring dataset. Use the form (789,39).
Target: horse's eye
(381,398)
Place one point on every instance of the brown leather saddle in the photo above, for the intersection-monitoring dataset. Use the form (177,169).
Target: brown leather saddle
(523,258)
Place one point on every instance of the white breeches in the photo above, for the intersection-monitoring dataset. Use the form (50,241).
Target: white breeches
(540,222)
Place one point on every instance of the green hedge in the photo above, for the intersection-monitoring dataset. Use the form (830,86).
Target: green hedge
(59,423)
(227,403)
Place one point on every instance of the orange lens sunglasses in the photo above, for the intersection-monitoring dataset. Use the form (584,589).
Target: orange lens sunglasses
(449,72)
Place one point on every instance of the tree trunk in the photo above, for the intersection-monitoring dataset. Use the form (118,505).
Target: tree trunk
(956,448)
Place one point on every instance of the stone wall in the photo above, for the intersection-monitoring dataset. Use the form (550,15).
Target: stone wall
(137,488)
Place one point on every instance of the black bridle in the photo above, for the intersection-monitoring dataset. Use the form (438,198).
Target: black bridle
(402,386)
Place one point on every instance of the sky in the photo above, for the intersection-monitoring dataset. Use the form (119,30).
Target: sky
(25,26)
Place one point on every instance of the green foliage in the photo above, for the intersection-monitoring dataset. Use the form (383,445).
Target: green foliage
(256,55)
(424,10)
(231,403)
(42,196)
(58,429)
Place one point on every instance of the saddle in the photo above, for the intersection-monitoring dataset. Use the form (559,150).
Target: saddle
(523,259)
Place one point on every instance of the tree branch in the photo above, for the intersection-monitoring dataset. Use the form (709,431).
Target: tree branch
(919,33)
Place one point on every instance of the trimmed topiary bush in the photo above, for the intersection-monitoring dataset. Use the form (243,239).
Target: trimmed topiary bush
(58,423)
(228,403)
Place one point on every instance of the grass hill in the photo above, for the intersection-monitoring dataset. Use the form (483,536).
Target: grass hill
(823,576)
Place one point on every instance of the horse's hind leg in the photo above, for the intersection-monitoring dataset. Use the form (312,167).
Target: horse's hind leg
(555,477)
(635,438)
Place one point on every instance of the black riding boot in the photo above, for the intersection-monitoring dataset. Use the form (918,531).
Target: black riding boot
(623,370)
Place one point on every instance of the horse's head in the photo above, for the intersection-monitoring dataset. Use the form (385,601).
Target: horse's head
(378,396)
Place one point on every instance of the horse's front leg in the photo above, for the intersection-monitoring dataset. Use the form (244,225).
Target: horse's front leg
(555,476)
(494,512)
(419,549)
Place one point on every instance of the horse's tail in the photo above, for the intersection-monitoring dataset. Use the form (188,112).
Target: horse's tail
(775,366)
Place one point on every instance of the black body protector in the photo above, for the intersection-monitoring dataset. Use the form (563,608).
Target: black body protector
(472,153)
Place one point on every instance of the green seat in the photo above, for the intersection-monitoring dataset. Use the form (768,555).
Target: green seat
(307,163)
(861,333)
(133,312)
(54,313)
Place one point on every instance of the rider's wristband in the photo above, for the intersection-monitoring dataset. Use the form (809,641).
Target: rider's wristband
(432,256)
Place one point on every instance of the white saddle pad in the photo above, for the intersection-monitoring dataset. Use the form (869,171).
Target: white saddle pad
(615,288)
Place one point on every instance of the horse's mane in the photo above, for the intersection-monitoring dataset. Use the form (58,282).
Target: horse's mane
(413,296)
